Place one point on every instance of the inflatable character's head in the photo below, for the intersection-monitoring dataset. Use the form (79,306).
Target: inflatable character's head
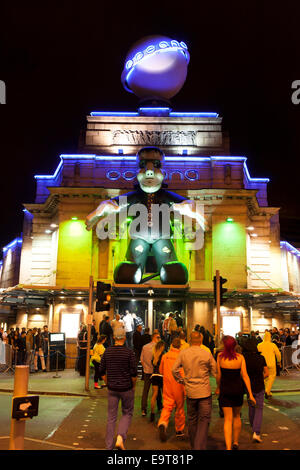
(150,176)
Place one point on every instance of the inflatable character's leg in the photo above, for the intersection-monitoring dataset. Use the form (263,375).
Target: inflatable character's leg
(171,270)
(131,271)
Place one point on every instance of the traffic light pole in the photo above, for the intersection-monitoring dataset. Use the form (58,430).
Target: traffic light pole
(89,327)
(218,305)
(17,429)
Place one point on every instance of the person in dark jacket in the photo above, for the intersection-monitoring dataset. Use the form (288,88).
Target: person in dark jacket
(94,334)
(108,332)
(146,337)
(38,346)
(137,343)
(257,371)
(16,345)
(82,349)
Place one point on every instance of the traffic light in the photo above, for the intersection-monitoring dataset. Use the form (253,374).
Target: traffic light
(222,289)
(215,290)
(218,288)
(103,297)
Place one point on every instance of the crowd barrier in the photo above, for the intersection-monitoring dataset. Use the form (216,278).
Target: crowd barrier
(6,357)
(290,357)
(10,358)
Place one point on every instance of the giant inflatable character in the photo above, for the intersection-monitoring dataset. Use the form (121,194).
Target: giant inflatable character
(149,192)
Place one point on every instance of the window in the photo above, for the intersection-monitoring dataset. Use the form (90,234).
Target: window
(69,324)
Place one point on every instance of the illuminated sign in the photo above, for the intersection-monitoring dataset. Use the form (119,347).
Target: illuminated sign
(157,48)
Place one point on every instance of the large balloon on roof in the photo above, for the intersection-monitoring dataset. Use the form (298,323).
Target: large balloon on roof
(156,67)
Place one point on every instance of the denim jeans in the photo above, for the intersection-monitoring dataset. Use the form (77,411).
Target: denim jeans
(256,412)
(127,403)
(198,417)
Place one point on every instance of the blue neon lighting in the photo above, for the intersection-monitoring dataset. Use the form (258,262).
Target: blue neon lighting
(155,109)
(50,176)
(153,48)
(179,159)
(200,114)
(254,180)
(163,44)
(16,241)
(290,247)
(150,49)
(113,113)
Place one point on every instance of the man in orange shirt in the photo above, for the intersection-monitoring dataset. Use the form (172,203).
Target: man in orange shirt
(173,394)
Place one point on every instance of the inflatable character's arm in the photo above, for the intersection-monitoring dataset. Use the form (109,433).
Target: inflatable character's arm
(105,208)
(188,208)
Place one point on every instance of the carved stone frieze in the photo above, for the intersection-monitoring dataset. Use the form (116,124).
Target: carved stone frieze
(144,137)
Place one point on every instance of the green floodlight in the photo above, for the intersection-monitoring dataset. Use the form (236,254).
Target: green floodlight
(229,219)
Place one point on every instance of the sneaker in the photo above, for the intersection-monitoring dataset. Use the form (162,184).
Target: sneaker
(144,413)
(120,443)
(179,434)
(256,437)
(97,386)
(162,433)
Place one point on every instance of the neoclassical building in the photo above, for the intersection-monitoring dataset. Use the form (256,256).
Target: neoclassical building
(47,269)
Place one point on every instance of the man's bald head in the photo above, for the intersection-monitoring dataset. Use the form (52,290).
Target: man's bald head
(196,338)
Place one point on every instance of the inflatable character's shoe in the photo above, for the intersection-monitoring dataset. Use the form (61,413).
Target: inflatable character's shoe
(174,273)
(128,273)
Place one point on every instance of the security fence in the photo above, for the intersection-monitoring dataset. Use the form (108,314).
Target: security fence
(290,357)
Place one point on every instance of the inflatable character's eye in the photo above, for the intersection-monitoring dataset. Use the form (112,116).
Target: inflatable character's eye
(142,164)
(157,164)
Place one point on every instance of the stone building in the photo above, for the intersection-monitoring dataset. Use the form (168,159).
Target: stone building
(242,237)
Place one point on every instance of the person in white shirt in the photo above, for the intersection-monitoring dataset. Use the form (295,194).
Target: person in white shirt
(117,323)
(129,328)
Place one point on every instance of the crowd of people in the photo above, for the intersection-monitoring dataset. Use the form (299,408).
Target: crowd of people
(177,371)
(29,346)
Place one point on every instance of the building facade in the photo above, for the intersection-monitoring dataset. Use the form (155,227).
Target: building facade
(57,255)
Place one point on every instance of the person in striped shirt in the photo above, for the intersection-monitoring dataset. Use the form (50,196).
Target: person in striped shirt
(119,371)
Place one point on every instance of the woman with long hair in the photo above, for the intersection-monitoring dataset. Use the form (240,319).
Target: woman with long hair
(156,378)
(231,377)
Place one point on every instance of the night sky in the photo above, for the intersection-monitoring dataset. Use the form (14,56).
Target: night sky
(61,62)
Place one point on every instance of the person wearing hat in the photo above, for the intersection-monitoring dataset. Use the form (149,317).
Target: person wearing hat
(257,371)
(119,371)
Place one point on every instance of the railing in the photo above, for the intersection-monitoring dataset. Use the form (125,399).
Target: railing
(290,357)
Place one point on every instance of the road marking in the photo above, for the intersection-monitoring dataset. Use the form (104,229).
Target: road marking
(48,443)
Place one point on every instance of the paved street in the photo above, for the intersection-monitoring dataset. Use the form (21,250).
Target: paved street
(68,422)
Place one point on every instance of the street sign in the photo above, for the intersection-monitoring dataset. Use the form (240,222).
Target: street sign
(25,407)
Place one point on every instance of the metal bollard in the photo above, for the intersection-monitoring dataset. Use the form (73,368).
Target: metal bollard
(56,376)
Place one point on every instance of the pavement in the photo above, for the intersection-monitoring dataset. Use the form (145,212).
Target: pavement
(69,383)
(72,418)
